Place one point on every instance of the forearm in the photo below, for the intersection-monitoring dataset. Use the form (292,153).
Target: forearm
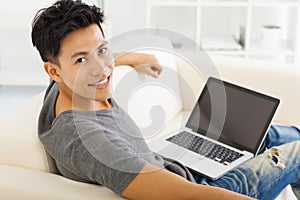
(155,183)
(144,63)
(214,193)
(123,59)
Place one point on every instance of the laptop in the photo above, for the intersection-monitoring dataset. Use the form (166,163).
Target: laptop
(226,128)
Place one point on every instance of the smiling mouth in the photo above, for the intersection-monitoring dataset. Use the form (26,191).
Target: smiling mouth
(100,83)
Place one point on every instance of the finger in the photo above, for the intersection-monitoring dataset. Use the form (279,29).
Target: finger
(152,73)
(157,68)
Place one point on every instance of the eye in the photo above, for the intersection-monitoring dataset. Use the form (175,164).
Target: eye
(81,60)
(102,51)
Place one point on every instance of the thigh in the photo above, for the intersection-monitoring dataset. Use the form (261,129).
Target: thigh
(260,177)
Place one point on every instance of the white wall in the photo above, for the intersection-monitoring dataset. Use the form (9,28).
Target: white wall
(17,54)
(20,13)
(15,22)
(15,33)
(123,16)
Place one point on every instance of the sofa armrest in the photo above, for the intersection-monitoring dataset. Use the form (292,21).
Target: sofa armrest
(20,183)
(280,80)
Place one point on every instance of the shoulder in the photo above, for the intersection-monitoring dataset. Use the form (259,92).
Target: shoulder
(47,113)
(72,119)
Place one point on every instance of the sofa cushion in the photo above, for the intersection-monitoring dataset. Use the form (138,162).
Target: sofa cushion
(19,183)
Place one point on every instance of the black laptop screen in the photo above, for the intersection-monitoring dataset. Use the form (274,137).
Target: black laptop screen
(232,114)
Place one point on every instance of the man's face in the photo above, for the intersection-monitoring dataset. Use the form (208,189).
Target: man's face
(86,64)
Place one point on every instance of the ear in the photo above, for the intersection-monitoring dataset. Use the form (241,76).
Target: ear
(53,71)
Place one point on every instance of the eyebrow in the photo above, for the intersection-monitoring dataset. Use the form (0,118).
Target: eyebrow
(86,53)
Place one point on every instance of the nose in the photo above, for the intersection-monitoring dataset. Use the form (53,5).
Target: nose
(97,67)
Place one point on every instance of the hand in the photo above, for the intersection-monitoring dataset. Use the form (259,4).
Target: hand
(146,63)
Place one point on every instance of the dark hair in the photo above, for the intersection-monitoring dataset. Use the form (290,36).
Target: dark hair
(51,25)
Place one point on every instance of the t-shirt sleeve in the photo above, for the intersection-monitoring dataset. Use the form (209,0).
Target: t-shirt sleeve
(93,154)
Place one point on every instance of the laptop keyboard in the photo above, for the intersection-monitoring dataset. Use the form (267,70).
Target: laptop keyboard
(205,148)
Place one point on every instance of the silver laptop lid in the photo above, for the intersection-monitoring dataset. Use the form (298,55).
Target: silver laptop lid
(233,115)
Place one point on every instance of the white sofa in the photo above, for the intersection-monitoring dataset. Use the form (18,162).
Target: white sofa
(25,169)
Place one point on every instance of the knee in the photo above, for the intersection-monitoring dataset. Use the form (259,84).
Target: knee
(296,144)
(281,154)
(291,150)
(290,145)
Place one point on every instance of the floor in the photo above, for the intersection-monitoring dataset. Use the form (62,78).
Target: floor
(13,97)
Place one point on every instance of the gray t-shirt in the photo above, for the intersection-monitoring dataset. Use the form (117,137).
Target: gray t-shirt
(104,147)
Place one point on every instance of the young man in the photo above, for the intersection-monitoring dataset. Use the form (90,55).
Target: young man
(93,140)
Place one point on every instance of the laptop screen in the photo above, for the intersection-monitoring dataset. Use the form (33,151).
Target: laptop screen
(232,114)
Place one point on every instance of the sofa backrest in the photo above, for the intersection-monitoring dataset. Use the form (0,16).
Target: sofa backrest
(19,143)
(151,102)
(280,80)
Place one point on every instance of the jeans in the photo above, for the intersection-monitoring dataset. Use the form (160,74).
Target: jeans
(262,177)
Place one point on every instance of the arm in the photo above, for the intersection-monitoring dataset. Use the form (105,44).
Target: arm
(155,183)
(141,62)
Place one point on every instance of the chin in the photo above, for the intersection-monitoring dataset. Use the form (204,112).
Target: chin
(103,97)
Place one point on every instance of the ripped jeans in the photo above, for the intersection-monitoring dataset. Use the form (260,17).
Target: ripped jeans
(267,174)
